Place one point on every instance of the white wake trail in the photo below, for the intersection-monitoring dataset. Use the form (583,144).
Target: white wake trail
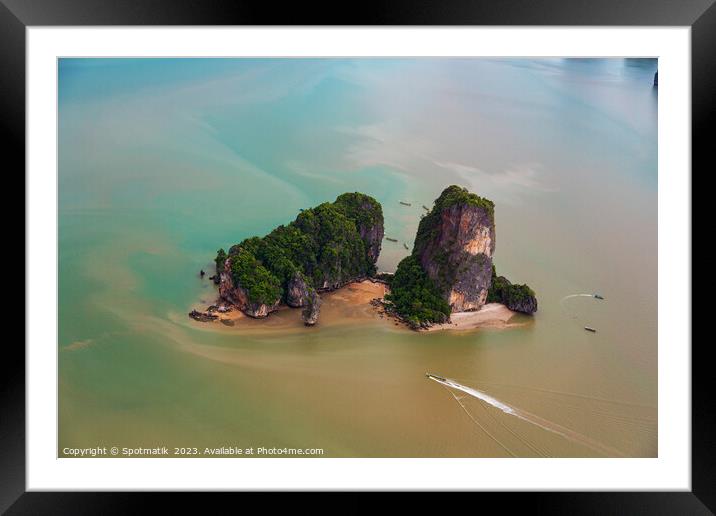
(572,296)
(531,418)
(576,295)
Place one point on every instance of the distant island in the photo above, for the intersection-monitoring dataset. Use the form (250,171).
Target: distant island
(449,270)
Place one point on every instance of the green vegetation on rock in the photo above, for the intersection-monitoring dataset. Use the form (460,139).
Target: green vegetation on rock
(335,248)
(324,245)
(260,284)
(362,209)
(414,296)
(516,297)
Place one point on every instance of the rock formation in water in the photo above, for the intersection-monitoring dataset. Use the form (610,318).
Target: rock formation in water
(450,268)
(454,244)
(297,290)
(519,298)
(312,305)
(323,249)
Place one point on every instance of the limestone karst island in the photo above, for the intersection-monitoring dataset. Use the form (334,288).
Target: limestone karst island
(448,281)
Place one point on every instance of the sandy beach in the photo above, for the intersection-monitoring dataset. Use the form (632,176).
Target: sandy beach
(492,315)
(349,304)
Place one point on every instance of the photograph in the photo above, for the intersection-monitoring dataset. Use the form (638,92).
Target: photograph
(357,257)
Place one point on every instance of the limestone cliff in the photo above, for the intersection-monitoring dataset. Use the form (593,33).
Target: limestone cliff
(450,269)
(297,291)
(454,245)
(367,215)
(311,308)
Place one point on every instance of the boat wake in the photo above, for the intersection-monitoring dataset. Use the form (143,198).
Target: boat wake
(572,296)
(575,295)
(572,315)
(528,417)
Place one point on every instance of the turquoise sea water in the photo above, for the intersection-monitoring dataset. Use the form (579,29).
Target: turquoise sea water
(163,161)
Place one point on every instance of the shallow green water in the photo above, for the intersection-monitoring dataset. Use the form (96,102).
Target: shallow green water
(161,162)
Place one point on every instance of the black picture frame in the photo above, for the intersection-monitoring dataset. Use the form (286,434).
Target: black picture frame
(17,15)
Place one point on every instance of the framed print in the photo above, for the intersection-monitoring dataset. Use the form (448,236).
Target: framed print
(441,249)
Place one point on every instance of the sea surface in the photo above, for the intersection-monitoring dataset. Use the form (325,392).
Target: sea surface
(163,161)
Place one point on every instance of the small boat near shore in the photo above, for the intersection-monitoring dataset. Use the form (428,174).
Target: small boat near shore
(405,203)
(426,208)
(405,245)
(391,239)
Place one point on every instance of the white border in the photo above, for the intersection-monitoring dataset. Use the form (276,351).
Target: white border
(671,470)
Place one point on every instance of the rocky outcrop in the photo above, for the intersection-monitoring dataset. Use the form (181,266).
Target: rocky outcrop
(311,308)
(367,215)
(526,305)
(454,245)
(372,235)
(450,269)
(355,229)
(297,291)
(237,295)
(519,298)
(202,316)
(324,248)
